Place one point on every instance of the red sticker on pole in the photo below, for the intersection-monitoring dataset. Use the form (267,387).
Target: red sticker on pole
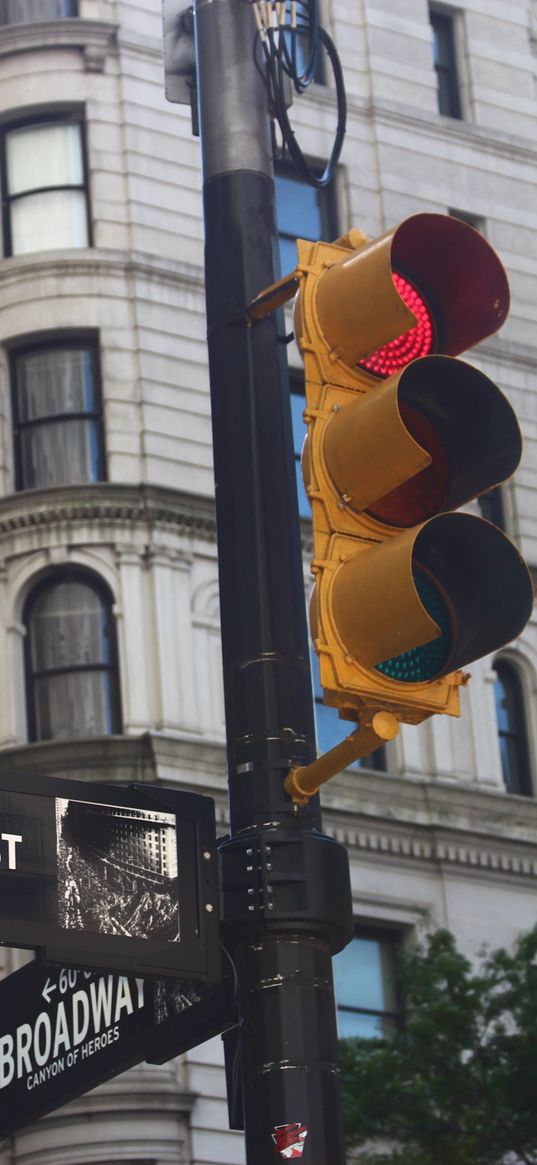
(289,1139)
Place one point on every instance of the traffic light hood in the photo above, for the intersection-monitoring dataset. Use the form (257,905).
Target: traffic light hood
(427,440)
(358,308)
(479,597)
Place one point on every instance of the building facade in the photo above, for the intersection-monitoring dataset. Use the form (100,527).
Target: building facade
(109,628)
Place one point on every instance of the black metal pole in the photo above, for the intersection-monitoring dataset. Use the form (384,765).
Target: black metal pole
(286,897)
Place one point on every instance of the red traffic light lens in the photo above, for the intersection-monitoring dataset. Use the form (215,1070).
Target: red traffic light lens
(418,341)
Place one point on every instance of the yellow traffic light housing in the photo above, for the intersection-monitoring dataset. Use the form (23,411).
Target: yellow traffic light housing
(400,434)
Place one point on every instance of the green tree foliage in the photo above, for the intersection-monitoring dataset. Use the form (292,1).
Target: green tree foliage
(457,1083)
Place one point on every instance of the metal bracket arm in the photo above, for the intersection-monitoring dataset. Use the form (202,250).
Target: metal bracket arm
(301,783)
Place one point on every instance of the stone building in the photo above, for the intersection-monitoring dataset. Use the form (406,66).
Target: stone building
(109,633)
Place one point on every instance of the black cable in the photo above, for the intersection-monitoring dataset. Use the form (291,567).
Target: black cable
(276,58)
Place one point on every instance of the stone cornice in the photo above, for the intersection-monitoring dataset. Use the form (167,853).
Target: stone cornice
(96,38)
(441,824)
(106,502)
(494,858)
(96,261)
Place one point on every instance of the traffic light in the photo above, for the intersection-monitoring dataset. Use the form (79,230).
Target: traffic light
(401,434)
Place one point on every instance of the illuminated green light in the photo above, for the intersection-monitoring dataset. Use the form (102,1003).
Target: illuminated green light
(429,660)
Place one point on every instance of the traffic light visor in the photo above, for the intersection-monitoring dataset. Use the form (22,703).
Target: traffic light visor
(456,580)
(425,441)
(458,294)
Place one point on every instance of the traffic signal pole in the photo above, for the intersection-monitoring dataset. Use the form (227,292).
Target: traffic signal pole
(285,885)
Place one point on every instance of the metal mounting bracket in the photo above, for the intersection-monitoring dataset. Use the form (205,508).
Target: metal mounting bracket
(180,57)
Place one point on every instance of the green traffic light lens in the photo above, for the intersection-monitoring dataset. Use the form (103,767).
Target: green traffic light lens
(428,661)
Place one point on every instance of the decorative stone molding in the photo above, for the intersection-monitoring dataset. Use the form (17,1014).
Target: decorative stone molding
(445,853)
(96,38)
(102,502)
(93,262)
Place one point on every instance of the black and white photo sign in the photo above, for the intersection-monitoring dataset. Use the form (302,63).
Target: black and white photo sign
(104,876)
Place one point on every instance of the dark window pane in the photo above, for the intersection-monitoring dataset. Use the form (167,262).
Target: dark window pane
(298,404)
(445,64)
(364,975)
(73,705)
(58,426)
(71,661)
(505,702)
(303,212)
(69,626)
(512,774)
(66,452)
(55,380)
(23,11)
(299,208)
(492,507)
(512,730)
(364,980)
(376,760)
(299,432)
(472,220)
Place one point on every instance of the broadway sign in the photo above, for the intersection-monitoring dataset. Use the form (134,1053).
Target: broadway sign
(104,876)
(64,1031)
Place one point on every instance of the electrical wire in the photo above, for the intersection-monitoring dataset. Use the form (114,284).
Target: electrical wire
(286,53)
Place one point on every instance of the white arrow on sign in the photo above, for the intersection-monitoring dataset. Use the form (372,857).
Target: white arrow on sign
(48,989)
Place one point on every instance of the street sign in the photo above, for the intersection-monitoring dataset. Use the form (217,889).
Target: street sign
(63,1031)
(104,876)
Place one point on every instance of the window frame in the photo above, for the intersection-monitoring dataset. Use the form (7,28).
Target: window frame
(84,341)
(447,19)
(52,579)
(393,938)
(54,117)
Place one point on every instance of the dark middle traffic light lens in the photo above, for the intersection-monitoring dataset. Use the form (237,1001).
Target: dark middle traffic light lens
(418,341)
(431,659)
(424,494)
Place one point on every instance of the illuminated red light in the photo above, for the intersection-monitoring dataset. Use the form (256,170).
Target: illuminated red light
(418,341)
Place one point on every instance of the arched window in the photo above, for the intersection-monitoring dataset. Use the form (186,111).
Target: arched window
(71,658)
(512,731)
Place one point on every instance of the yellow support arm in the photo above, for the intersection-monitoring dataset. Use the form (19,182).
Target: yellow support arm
(301,783)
